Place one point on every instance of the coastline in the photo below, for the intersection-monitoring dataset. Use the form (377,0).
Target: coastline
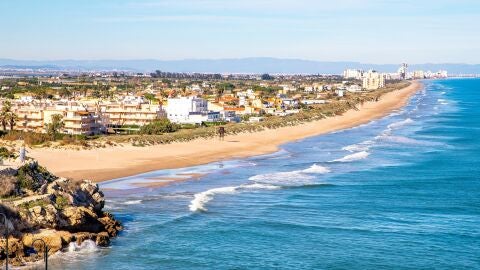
(122,161)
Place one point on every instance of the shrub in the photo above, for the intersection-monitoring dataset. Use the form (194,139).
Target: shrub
(8,186)
(5,153)
(32,176)
(61,202)
(159,126)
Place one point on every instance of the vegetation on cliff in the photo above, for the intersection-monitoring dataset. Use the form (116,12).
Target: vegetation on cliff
(39,205)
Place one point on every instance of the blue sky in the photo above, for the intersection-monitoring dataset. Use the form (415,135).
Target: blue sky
(371,31)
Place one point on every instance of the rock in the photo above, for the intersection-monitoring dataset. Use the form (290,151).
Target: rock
(102,239)
(89,187)
(37,210)
(15,247)
(112,226)
(52,239)
(82,219)
(56,210)
(82,236)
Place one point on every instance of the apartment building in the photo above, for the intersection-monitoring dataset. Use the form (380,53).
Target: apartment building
(130,114)
(187,109)
(373,80)
(356,74)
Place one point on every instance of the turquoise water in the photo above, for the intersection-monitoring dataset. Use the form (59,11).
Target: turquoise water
(402,192)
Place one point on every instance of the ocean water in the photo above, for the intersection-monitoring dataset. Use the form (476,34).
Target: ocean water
(401,192)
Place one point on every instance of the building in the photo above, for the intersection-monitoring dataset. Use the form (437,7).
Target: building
(373,80)
(356,74)
(130,114)
(187,110)
(354,88)
(403,70)
(419,74)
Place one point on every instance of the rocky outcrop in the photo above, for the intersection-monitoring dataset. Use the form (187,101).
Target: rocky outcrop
(57,210)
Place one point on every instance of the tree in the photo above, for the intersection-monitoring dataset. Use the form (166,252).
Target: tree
(7,116)
(159,126)
(54,127)
(150,97)
(266,77)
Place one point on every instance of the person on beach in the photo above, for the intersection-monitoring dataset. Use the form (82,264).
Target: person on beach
(221,133)
(23,154)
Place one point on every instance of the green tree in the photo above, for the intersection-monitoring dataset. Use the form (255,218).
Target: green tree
(150,97)
(54,127)
(7,116)
(159,126)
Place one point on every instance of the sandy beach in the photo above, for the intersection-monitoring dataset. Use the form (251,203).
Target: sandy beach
(115,162)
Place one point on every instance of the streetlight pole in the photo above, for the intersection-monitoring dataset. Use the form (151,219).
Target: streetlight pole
(45,251)
(6,238)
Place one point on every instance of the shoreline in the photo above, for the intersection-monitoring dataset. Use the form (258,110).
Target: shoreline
(122,161)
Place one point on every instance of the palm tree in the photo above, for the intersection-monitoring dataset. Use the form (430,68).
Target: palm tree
(12,119)
(7,116)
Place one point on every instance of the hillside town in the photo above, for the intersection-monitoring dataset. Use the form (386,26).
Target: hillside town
(121,103)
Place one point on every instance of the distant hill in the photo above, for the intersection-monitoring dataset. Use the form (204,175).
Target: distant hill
(242,65)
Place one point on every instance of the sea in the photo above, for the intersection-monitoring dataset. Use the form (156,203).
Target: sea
(401,192)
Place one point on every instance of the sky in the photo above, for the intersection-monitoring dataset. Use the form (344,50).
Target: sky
(368,31)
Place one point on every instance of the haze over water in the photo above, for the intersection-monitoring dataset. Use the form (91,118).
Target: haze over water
(401,192)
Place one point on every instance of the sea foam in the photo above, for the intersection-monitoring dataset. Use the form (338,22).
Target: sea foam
(268,181)
(353,157)
(201,199)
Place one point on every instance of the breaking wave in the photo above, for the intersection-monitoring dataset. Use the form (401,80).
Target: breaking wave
(87,246)
(201,199)
(353,157)
(317,169)
(133,202)
(400,124)
(270,181)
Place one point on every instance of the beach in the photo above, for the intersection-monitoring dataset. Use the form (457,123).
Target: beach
(121,161)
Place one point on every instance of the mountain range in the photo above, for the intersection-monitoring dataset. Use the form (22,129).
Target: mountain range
(238,65)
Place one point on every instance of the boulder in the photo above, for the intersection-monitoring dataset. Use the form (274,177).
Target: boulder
(52,238)
(82,219)
(102,239)
(82,236)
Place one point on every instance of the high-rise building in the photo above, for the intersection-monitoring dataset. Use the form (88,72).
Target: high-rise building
(373,80)
(402,71)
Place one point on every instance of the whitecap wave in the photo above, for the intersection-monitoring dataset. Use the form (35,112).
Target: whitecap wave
(358,147)
(201,199)
(133,202)
(353,157)
(410,141)
(400,123)
(293,178)
(268,181)
(87,246)
(318,169)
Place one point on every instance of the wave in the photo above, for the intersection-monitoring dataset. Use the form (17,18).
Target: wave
(317,169)
(133,202)
(358,147)
(201,199)
(86,246)
(353,157)
(292,178)
(442,101)
(400,123)
(269,181)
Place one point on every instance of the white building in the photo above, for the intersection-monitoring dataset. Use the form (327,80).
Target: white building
(187,109)
(356,74)
(354,88)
